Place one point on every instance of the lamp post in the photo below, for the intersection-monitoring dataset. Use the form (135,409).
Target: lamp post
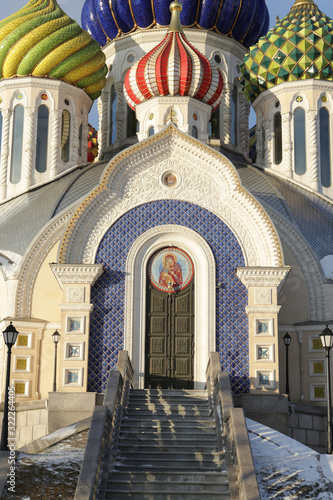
(326,338)
(10,336)
(287,342)
(55,337)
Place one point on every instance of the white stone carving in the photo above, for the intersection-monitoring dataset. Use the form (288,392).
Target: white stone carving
(4,152)
(269,277)
(287,144)
(313,149)
(75,294)
(77,274)
(263,296)
(208,180)
(29,146)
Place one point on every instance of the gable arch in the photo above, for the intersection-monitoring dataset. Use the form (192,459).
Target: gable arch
(204,177)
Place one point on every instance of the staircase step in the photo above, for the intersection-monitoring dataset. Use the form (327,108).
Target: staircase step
(184,393)
(170,477)
(163,448)
(165,418)
(183,441)
(171,495)
(189,486)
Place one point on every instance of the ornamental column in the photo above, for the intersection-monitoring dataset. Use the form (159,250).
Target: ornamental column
(29,147)
(268,143)
(55,142)
(103,112)
(262,309)
(7,114)
(287,144)
(76,282)
(76,128)
(313,149)
(227,113)
(244,113)
(120,113)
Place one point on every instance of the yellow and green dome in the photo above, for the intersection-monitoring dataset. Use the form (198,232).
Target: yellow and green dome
(41,40)
(299,47)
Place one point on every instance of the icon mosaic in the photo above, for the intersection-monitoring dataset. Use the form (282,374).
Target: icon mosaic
(108,294)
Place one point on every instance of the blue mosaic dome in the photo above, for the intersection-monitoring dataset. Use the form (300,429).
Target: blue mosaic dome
(244,20)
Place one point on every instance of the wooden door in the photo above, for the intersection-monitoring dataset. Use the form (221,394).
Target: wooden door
(170,338)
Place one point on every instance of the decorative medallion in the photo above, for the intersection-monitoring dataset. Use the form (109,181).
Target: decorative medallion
(324,98)
(170,269)
(19,96)
(195,117)
(170,179)
(299,98)
(130,58)
(151,116)
(44,97)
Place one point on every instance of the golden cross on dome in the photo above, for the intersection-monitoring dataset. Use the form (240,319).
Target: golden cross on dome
(175,25)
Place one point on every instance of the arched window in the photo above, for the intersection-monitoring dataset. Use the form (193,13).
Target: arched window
(194,132)
(151,131)
(65,135)
(277,138)
(80,139)
(234,116)
(325,149)
(112,115)
(132,123)
(299,141)
(214,124)
(17,145)
(42,138)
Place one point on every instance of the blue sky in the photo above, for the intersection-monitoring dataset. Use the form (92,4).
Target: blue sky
(73,9)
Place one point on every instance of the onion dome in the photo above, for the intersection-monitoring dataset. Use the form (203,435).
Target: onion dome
(243,20)
(41,40)
(173,68)
(299,47)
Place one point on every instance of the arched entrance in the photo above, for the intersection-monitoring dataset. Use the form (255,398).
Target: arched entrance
(169,346)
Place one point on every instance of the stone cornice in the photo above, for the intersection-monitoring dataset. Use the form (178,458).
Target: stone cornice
(77,274)
(295,87)
(76,307)
(267,309)
(262,276)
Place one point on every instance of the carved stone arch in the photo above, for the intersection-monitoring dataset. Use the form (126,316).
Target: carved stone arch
(31,263)
(310,267)
(204,177)
(205,302)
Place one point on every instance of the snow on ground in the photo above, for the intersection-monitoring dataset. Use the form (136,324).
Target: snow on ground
(327,265)
(286,469)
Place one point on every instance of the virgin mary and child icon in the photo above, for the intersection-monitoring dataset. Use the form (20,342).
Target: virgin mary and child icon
(171,274)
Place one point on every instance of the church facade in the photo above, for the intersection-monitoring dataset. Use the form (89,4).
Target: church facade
(187,234)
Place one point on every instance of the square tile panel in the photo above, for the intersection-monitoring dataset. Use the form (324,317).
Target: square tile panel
(108,294)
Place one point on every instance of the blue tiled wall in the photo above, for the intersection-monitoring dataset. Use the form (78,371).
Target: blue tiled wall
(108,294)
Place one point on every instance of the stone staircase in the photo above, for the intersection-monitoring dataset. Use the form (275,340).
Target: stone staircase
(167,449)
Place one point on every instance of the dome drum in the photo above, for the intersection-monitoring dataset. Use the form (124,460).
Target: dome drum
(55,115)
(189,115)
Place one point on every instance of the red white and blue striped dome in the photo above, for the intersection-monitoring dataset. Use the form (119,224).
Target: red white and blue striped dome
(174,68)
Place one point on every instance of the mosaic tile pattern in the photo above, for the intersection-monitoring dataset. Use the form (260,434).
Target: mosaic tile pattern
(22,340)
(108,294)
(263,327)
(244,21)
(74,325)
(299,47)
(44,41)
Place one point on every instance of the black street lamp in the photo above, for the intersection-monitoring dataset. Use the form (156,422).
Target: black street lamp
(10,336)
(326,338)
(55,337)
(287,342)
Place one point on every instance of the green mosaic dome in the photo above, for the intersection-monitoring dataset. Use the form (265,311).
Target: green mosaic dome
(299,47)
